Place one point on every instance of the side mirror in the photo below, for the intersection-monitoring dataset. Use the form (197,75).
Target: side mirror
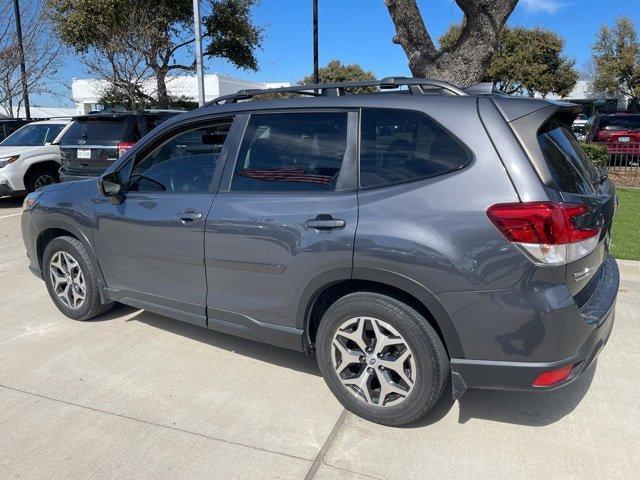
(110,185)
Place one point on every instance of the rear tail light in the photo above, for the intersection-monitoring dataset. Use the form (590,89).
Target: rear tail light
(124,146)
(551,377)
(546,231)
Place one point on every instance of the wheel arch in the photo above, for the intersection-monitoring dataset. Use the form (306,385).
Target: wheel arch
(38,163)
(53,230)
(386,283)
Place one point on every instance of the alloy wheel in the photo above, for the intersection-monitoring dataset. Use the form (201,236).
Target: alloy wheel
(67,279)
(373,361)
(42,180)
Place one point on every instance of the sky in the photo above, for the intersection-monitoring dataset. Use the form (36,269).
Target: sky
(360,31)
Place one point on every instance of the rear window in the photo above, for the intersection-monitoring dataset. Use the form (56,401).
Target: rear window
(400,146)
(570,169)
(152,121)
(100,131)
(620,122)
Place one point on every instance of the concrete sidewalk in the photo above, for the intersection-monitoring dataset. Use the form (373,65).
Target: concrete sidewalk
(136,395)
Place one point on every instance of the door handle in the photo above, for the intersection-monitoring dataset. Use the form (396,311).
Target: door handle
(188,216)
(325,222)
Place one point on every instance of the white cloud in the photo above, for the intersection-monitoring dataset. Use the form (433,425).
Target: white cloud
(543,6)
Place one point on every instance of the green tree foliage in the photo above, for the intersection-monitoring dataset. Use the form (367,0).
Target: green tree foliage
(232,34)
(597,153)
(117,98)
(525,59)
(335,71)
(126,42)
(616,58)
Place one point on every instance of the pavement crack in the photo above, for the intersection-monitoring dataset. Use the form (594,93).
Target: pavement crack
(159,425)
(319,460)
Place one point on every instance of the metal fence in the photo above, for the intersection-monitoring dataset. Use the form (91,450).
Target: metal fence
(624,157)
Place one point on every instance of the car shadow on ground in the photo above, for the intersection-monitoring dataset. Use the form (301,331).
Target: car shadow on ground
(534,409)
(260,351)
(11,202)
(520,408)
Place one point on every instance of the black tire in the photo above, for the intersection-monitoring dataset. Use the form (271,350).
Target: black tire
(40,176)
(91,306)
(431,359)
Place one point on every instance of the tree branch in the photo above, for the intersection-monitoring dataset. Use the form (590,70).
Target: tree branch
(178,66)
(466,62)
(411,32)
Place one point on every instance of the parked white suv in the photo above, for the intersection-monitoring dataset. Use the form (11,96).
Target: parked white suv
(30,156)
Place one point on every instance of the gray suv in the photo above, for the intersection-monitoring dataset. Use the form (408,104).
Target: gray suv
(411,237)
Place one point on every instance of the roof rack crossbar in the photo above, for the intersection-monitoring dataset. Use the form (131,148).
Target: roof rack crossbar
(334,89)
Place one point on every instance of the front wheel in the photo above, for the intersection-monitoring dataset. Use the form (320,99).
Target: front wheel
(381,358)
(71,279)
(40,177)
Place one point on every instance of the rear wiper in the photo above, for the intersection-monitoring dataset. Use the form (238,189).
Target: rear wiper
(604,174)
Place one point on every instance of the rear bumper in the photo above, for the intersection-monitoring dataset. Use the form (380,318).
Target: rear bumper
(598,312)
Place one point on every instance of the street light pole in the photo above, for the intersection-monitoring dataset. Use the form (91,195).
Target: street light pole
(198,33)
(316,75)
(23,70)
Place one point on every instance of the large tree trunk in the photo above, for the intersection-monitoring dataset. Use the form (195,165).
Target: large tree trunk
(466,63)
(161,89)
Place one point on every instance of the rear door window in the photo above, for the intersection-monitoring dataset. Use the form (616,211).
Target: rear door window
(401,146)
(100,131)
(570,169)
(291,152)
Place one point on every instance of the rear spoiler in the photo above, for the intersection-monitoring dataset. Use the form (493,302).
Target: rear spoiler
(514,108)
(101,116)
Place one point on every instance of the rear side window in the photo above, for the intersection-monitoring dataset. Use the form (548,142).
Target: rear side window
(291,152)
(401,146)
(104,131)
(569,168)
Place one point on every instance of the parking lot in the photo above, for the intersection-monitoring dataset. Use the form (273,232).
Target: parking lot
(137,395)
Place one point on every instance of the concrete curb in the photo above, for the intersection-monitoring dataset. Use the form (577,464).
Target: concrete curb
(629,267)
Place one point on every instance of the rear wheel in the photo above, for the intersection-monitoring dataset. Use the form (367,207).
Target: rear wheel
(39,177)
(381,358)
(71,279)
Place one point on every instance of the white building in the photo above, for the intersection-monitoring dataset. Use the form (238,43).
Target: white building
(583,94)
(581,91)
(40,112)
(87,92)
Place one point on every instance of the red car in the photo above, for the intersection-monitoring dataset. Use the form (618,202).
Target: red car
(620,132)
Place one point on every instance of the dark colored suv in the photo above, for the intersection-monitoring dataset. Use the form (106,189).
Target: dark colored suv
(10,125)
(96,140)
(406,237)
